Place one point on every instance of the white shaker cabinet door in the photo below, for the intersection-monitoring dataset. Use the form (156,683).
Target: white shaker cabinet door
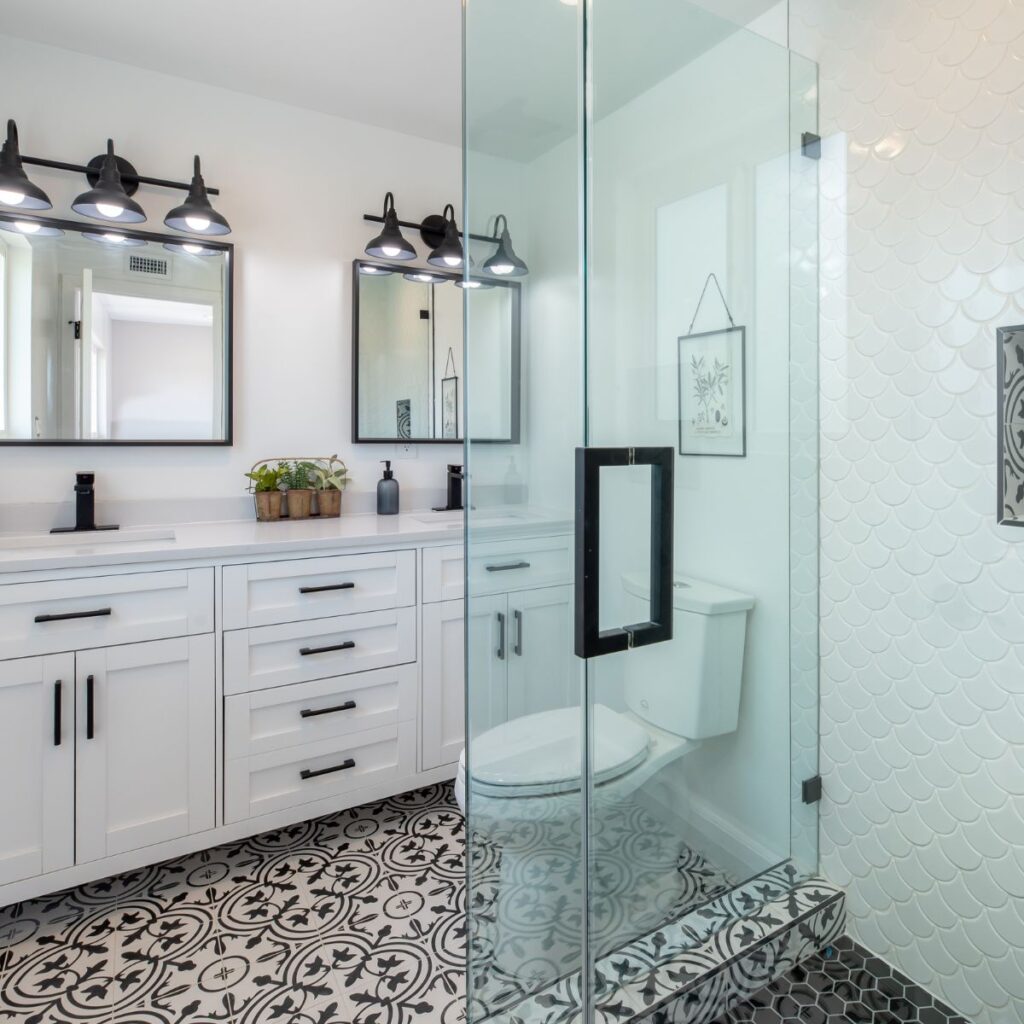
(145,753)
(444,675)
(543,672)
(37,764)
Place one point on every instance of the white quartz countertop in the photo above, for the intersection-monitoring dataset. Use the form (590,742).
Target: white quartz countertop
(231,540)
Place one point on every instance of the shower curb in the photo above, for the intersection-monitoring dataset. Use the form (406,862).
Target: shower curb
(692,971)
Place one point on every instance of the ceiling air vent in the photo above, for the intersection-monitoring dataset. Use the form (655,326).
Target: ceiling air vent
(149,265)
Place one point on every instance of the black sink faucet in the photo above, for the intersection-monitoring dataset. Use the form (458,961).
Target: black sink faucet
(455,478)
(85,507)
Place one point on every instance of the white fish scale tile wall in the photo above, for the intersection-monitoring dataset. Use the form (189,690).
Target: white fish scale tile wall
(922,595)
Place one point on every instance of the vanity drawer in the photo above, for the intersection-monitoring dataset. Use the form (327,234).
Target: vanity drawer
(292,716)
(294,652)
(102,611)
(293,776)
(496,567)
(265,593)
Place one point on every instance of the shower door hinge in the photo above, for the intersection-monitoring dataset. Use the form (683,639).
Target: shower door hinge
(811,790)
(810,145)
(77,325)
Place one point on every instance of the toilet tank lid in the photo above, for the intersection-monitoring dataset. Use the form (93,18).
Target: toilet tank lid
(693,595)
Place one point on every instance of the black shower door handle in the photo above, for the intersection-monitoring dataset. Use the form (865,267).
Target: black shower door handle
(590,640)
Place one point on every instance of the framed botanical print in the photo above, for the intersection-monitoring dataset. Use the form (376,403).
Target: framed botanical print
(450,407)
(712,393)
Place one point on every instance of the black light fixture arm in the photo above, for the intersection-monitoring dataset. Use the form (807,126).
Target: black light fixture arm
(419,225)
(127,177)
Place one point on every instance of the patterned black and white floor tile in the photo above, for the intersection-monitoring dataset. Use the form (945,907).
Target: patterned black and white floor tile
(353,918)
(842,984)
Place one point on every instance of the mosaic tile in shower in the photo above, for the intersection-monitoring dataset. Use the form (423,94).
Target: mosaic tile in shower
(843,984)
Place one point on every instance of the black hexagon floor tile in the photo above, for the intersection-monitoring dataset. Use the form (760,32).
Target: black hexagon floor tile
(843,984)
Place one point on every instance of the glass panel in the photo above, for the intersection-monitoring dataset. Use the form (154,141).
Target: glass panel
(526,878)
(689,265)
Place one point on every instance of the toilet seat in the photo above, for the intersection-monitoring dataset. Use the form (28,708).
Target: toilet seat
(539,754)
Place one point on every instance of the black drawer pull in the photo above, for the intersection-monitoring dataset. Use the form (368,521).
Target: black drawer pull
(346,646)
(94,614)
(57,705)
(313,712)
(507,566)
(90,707)
(331,586)
(309,773)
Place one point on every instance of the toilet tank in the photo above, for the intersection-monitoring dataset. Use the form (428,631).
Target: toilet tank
(689,685)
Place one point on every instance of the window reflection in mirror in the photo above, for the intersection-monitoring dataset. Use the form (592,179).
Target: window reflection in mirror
(110,343)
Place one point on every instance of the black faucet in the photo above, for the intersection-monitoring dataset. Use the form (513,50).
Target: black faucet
(85,507)
(455,478)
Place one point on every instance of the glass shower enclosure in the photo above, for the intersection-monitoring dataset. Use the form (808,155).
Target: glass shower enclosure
(641,567)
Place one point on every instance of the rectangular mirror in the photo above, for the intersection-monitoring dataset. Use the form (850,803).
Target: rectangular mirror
(109,337)
(408,357)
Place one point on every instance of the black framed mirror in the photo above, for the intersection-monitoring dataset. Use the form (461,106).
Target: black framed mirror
(407,356)
(110,336)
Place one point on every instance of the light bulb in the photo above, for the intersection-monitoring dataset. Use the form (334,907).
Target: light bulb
(12,198)
(452,261)
(110,210)
(27,227)
(197,223)
(501,268)
(470,284)
(111,237)
(391,251)
(192,248)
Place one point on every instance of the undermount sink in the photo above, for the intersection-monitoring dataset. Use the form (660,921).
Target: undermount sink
(89,539)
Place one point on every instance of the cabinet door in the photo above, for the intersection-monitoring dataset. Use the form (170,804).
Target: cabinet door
(37,764)
(444,675)
(543,672)
(145,751)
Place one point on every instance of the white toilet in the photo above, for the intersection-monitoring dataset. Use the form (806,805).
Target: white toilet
(677,693)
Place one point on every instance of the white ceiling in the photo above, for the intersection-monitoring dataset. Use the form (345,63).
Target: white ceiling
(398,63)
(395,63)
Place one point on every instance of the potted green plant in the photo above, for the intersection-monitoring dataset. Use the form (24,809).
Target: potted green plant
(266,488)
(330,478)
(298,487)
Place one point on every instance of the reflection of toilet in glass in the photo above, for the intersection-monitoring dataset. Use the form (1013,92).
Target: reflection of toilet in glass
(526,780)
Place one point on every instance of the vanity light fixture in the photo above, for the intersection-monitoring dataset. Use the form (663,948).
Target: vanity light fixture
(390,244)
(108,199)
(473,283)
(449,253)
(192,249)
(112,238)
(505,262)
(196,214)
(424,277)
(372,270)
(34,228)
(15,188)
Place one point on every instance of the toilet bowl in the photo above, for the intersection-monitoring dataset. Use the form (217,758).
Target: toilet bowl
(676,693)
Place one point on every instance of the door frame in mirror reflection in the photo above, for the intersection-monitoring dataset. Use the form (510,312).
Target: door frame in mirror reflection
(227,307)
(515,356)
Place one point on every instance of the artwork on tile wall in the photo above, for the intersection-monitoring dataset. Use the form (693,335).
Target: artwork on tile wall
(1010,406)
(403,412)
(712,414)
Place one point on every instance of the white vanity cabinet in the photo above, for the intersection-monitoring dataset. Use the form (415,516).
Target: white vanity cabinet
(106,737)
(519,638)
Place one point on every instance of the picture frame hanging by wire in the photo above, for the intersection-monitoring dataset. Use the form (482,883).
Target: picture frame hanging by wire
(450,400)
(712,387)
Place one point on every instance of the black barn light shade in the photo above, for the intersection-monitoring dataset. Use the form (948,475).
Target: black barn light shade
(473,284)
(112,238)
(108,200)
(372,270)
(390,244)
(15,188)
(196,214)
(31,227)
(449,253)
(192,248)
(505,262)
(424,277)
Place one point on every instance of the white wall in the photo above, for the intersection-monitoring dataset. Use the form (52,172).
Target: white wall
(295,185)
(922,688)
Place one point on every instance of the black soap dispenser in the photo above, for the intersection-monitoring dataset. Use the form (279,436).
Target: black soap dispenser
(387,492)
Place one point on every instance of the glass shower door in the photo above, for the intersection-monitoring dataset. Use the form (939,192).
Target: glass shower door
(641,580)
